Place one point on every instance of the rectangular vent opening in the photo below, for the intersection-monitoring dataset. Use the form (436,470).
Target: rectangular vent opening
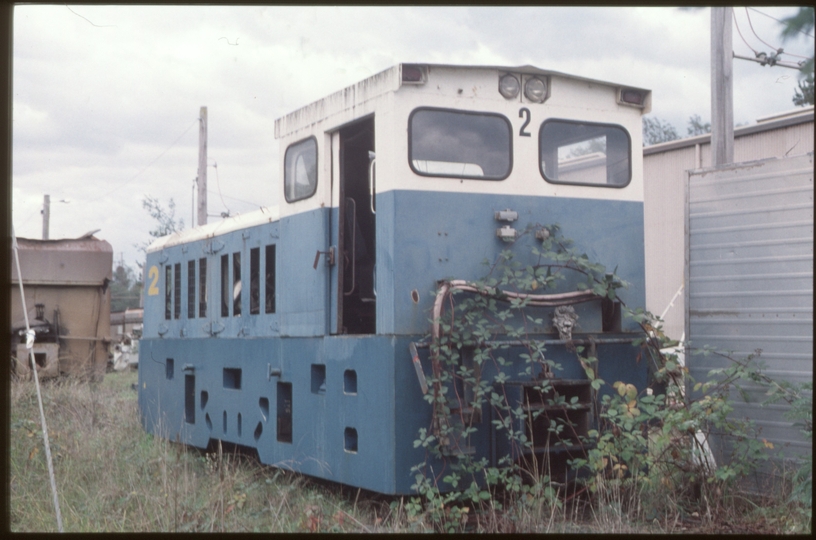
(189,399)
(232,378)
(284,412)
(350,440)
(350,381)
(318,379)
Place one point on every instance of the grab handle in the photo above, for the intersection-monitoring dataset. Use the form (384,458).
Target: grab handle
(372,181)
(353,242)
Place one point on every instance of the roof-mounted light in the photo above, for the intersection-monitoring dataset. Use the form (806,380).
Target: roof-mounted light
(535,90)
(413,74)
(630,96)
(509,86)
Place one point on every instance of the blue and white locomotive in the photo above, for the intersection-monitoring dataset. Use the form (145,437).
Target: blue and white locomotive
(290,329)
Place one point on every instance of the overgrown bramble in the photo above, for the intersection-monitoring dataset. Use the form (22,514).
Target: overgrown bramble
(651,453)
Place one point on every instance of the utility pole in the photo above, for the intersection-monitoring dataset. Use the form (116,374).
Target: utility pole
(46,212)
(202,167)
(722,87)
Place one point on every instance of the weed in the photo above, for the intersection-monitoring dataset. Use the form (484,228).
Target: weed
(649,459)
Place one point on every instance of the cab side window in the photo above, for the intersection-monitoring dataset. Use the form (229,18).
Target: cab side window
(300,170)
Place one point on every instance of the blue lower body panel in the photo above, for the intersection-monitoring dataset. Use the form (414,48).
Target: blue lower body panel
(342,408)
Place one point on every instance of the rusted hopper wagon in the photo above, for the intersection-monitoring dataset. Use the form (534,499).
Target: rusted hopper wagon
(68,303)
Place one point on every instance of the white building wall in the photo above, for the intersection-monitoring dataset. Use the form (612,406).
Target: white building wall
(665,167)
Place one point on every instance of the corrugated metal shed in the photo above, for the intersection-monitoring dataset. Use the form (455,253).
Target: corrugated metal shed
(665,167)
(750,278)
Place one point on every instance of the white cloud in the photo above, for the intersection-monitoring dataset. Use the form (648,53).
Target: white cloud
(102,93)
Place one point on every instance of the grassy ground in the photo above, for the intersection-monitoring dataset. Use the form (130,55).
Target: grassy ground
(114,477)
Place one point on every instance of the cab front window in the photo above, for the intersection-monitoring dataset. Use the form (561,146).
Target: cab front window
(585,153)
(459,144)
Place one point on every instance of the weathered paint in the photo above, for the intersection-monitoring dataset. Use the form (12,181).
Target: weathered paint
(356,402)
(70,277)
(63,262)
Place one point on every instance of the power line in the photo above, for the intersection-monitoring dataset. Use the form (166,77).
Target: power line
(754,31)
(218,183)
(780,22)
(234,199)
(134,177)
(743,38)
(772,58)
(779,50)
(28,219)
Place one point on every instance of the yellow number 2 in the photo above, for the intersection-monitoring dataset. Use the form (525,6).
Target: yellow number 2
(153,274)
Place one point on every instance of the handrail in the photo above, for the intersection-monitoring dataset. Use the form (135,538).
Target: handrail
(535,300)
(353,244)
(372,183)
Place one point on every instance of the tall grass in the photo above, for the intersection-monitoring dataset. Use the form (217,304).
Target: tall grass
(114,477)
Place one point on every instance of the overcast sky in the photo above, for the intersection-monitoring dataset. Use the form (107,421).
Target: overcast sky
(106,98)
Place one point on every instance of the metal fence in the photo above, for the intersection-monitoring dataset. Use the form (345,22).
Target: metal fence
(749,276)
(664,173)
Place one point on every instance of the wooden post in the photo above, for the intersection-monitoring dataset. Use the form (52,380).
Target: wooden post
(722,87)
(202,167)
(46,212)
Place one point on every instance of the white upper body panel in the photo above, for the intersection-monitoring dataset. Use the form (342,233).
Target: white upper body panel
(463,88)
(211,230)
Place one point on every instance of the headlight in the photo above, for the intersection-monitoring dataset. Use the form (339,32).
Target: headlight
(509,86)
(535,90)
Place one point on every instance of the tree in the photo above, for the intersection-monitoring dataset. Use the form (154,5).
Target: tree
(125,289)
(803,22)
(590,147)
(657,131)
(167,223)
(697,127)
(165,218)
(803,96)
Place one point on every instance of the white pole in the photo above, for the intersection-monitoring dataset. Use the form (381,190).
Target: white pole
(46,212)
(202,167)
(722,87)
(29,341)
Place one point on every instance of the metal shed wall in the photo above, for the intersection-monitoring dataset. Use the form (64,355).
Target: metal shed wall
(749,249)
(665,167)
